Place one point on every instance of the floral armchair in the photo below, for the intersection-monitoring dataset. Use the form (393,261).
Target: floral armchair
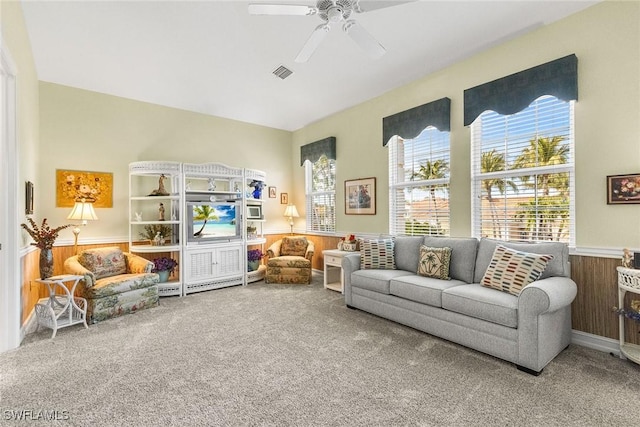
(115,282)
(290,261)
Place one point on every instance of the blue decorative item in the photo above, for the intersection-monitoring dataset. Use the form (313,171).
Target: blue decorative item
(257,188)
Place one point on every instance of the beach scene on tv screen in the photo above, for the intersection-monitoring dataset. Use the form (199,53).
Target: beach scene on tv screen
(214,221)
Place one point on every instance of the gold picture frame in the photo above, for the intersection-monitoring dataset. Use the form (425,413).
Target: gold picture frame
(94,187)
(360,196)
(623,189)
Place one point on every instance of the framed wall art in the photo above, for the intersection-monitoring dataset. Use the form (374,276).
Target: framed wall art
(94,187)
(360,196)
(284,198)
(623,189)
(272,192)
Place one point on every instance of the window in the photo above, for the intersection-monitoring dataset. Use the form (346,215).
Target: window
(419,184)
(523,173)
(320,191)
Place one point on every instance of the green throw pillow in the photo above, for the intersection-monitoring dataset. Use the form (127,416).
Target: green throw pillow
(434,262)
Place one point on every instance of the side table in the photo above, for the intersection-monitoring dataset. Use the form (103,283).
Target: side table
(333,276)
(628,281)
(61,310)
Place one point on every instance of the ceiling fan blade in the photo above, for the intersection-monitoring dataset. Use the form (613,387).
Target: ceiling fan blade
(312,43)
(361,6)
(364,39)
(281,9)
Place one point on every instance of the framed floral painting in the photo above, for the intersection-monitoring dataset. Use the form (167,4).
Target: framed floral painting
(623,189)
(360,196)
(94,187)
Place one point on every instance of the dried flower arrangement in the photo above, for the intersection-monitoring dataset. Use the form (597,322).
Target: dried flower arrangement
(151,231)
(43,236)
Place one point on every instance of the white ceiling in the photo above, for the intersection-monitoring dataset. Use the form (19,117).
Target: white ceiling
(213,57)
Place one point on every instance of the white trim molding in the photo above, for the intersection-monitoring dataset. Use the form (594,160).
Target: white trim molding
(595,342)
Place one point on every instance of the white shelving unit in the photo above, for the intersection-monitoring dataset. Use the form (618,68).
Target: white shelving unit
(628,281)
(255,239)
(144,211)
(209,263)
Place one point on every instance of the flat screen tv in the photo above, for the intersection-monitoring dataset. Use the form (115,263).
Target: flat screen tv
(213,221)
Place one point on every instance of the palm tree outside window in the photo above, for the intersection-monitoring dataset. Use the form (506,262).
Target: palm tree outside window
(522,173)
(419,184)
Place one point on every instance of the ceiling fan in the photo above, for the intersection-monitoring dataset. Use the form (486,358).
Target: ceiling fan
(331,12)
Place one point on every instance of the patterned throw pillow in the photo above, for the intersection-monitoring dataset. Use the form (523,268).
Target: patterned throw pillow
(293,246)
(377,254)
(434,262)
(104,262)
(511,270)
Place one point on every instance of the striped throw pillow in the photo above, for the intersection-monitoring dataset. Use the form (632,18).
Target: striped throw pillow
(377,254)
(510,270)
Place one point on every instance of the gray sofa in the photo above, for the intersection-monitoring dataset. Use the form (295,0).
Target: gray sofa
(528,330)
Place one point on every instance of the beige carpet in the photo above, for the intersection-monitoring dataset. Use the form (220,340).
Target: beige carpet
(280,355)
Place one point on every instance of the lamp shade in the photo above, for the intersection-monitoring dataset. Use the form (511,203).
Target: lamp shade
(291,212)
(83,210)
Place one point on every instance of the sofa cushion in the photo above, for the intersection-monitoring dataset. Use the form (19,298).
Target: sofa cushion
(463,254)
(425,290)
(559,266)
(511,270)
(114,285)
(376,280)
(377,254)
(294,246)
(104,262)
(407,251)
(483,303)
(434,262)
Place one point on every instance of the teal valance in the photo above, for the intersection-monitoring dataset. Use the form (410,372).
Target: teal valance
(514,93)
(409,123)
(315,150)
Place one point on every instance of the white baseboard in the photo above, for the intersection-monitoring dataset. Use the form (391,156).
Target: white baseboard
(595,342)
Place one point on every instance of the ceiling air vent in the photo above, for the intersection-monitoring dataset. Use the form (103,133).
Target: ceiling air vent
(282,72)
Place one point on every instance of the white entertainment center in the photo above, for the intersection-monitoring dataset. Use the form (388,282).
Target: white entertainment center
(198,215)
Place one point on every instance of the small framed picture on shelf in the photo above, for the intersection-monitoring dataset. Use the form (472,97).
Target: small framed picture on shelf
(272,192)
(623,189)
(284,198)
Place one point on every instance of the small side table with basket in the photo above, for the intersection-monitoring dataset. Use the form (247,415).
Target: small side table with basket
(64,309)
(628,281)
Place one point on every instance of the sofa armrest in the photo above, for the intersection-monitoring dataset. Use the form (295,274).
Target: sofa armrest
(72,266)
(350,263)
(274,250)
(310,250)
(137,264)
(547,295)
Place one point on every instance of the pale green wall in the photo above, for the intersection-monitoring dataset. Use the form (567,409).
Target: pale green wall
(16,41)
(83,130)
(606,40)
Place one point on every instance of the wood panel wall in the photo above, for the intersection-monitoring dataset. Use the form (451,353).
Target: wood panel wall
(592,310)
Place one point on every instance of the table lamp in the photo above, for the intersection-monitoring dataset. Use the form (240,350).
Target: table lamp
(83,211)
(291,212)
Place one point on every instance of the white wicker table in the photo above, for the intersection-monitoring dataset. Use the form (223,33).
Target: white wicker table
(61,310)
(628,281)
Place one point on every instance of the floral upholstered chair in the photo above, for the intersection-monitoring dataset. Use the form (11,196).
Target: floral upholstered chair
(115,282)
(290,261)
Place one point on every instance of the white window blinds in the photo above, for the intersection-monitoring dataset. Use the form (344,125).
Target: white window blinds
(523,173)
(321,195)
(419,184)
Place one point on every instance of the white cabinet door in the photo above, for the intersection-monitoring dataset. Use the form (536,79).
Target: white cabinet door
(214,262)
